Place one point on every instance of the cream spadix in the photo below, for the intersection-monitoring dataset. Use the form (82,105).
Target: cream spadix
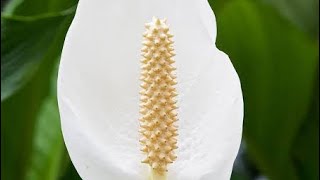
(158,98)
(99,84)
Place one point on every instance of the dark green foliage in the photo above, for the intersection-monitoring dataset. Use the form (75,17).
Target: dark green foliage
(277,63)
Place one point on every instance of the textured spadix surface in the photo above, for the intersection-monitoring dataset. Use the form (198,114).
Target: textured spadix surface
(158,106)
(98,91)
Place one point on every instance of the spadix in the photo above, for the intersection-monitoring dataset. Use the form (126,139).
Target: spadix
(158,99)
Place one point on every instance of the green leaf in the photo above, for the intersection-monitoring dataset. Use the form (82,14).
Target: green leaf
(242,168)
(276,63)
(306,147)
(36,7)
(18,116)
(218,5)
(71,174)
(26,42)
(30,48)
(48,151)
(303,13)
(49,158)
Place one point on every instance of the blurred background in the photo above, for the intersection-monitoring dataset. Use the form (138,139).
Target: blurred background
(273,45)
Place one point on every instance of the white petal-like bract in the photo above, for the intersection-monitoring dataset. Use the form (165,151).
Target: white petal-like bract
(98,91)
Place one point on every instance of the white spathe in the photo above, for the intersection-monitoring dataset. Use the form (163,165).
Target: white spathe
(98,91)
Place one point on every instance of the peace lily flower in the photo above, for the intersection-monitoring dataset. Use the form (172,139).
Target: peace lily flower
(132,116)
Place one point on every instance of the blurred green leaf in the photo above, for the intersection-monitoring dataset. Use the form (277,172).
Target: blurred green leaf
(239,176)
(49,158)
(303,13)
(18,116)
(218,5)
(36,7)
(26,42)
(276,63)
(48,152)
(306,147)
(242,168)
(30,48)
(71,174)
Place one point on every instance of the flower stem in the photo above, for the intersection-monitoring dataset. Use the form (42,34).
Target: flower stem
(156,176)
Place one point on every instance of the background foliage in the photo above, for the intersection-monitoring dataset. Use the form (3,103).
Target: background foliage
(273,45)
